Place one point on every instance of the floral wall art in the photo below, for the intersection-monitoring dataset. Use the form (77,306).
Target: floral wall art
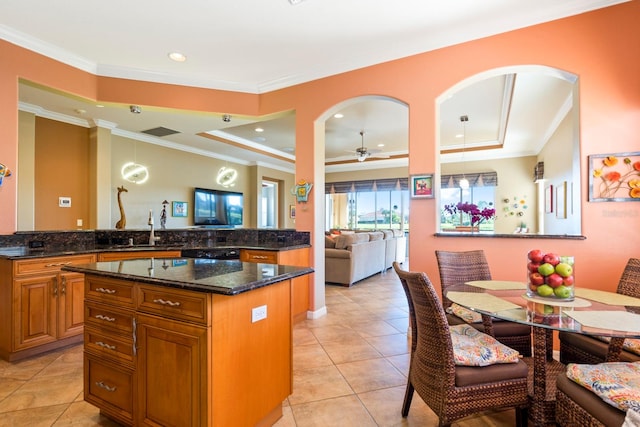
(614,177)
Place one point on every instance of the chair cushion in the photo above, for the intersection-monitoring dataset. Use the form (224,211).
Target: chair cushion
(474,348)
(617,383)
(465,314)
(592,404)
(630,344)
(473,375)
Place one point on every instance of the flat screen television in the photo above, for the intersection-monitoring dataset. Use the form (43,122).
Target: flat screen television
(217,207)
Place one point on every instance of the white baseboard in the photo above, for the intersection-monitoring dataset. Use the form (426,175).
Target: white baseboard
(317,314)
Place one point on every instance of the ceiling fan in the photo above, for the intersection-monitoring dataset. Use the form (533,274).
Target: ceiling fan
(362,153)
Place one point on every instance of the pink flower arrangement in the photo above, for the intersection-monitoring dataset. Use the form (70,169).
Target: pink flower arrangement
(476,215)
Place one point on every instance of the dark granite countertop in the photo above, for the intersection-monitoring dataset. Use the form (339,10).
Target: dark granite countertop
(201,275)
(23,252)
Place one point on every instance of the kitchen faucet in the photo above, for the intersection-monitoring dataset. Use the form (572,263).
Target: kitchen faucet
(152,238)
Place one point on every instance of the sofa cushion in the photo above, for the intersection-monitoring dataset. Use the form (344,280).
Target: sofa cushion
(343,241)
(376,235)
(329,242)
(388,234)
(336,253)
(617,383)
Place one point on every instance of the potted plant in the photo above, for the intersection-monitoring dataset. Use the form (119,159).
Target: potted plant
(472,212)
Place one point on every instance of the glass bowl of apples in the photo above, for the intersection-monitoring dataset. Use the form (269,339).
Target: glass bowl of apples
(550,276)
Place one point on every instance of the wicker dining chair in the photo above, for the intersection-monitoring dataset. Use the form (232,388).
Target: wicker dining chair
(452,391)
(456,268)
(577,348)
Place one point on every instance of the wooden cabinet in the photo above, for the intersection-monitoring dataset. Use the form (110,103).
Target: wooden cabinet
(41,307)
(122,255)
(157,355)
(299,285)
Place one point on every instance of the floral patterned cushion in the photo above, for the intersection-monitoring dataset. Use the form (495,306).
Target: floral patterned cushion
(617,383)
(630,344)
(474,348)
(465,314)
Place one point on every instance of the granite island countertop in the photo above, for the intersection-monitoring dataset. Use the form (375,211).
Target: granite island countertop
(202,275)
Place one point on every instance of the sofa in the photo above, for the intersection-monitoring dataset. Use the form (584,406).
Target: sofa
(353,256)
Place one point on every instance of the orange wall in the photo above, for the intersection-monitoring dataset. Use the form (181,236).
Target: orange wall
(62,168)
(600,47)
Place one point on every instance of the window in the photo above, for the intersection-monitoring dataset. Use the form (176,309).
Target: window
(368,205)
(268,214)
(482,195)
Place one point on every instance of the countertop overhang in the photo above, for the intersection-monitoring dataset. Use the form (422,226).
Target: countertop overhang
(223,277)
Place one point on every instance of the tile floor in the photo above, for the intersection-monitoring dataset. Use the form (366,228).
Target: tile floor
(349,369)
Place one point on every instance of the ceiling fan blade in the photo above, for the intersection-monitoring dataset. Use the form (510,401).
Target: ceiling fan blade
(380,156)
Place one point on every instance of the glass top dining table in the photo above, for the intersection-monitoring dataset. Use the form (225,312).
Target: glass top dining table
(591,313)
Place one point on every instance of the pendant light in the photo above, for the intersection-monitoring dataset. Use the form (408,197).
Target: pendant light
(464,182)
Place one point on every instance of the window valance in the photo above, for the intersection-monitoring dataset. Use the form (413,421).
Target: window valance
(482,179)
(387,184)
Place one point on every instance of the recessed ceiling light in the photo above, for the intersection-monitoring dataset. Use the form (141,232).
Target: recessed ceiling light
(259,130)
(99,106)
(177,56)
(459,135)
(338,115)
(380,145)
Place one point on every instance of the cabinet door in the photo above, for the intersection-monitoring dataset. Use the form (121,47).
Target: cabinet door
(35,311)
(70,304)
(172,372)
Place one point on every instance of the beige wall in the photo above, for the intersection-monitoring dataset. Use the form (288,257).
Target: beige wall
(172,176)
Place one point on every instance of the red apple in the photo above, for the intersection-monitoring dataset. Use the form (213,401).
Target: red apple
(554,280)
(535,255)
(568,281)
(551,258)
(536,279)
(533,266)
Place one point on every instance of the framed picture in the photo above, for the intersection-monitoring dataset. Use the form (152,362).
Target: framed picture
(614,177)
(561,200)
(179,208)
(292,211)
(421,186)
(548,199)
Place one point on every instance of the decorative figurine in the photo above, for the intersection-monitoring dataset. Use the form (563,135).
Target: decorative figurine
(163,215)
(123,219)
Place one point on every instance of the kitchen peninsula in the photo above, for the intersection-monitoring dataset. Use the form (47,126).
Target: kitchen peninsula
(188,342)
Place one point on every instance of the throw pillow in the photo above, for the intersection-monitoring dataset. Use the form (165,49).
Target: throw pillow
(329,242)
(474,348)
(617,383)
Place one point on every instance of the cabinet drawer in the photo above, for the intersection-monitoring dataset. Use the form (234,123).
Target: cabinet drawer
(109,345)
(110,387)
(267,257)
(111,318)
(49,264)
(173,303)
(110,291)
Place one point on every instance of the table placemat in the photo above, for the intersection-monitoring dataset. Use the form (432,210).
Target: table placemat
(481,301)
(613,320)
(577,302)
(497,285)
(610,298)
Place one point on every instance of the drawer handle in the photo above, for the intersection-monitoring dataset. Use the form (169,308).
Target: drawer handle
(260,257)
(169,303)
(57,264)
(104,345)
(106,291)
(106,387)
(103,317)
